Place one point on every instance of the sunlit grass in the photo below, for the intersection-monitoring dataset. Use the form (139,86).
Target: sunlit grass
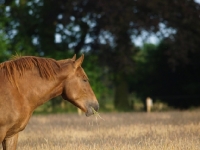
(118,131)
(96,114)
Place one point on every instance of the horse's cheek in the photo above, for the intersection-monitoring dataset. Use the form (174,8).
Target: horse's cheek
(68,94)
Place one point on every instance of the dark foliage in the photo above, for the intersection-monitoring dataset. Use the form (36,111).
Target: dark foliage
(105,29)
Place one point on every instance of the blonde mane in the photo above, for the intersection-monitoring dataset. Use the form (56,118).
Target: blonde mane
(18,65)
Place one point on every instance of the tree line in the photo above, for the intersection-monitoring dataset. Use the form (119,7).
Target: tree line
(105,31)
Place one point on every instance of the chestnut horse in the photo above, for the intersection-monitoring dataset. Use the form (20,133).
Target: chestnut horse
(28,82)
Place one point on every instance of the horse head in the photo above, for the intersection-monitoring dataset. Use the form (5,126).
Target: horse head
(77,89)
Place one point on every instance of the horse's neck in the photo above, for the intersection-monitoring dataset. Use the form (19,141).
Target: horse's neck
(36,90)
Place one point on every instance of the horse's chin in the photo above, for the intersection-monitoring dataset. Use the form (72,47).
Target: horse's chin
(91,109)
(89,112)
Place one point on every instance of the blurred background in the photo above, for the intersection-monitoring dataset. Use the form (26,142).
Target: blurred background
(134,49)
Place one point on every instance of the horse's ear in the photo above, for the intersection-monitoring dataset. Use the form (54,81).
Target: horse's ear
(74,57)
(79,61)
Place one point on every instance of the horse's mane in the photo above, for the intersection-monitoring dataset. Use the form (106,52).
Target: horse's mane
(46,67)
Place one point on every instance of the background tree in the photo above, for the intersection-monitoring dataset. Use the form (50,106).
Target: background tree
(105,29)
(155,78)
(183,18)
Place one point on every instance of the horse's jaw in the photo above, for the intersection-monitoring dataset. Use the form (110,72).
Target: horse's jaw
(89,107)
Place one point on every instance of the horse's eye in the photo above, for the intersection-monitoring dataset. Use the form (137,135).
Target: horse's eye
(85,80)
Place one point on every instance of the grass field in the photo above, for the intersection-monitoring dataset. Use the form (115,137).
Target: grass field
(117,131)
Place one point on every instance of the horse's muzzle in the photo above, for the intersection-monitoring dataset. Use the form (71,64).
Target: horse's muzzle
(91,108)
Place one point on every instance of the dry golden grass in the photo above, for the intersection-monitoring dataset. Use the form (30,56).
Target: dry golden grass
(118,131)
